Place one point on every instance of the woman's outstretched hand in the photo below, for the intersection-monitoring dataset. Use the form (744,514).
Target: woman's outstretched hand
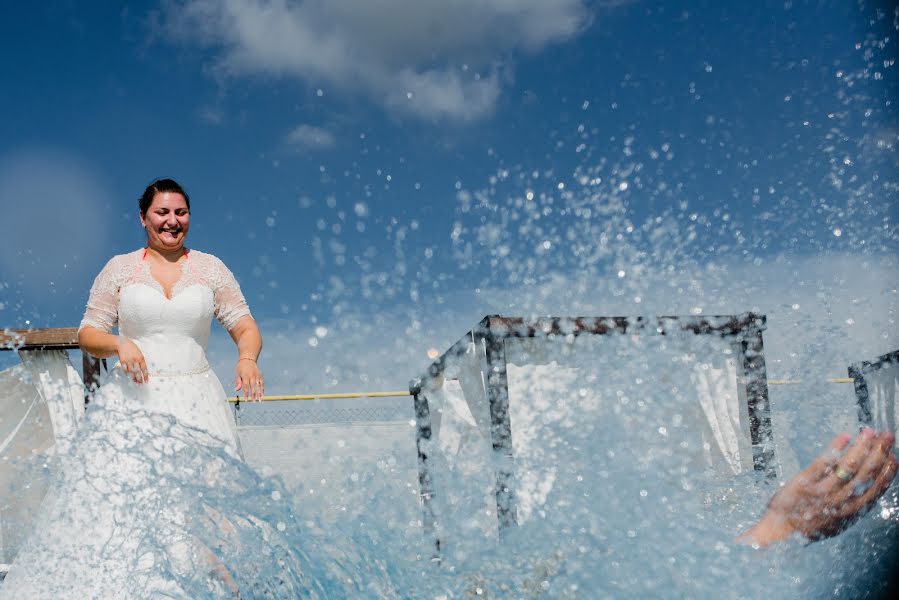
(831,493)
(249,379)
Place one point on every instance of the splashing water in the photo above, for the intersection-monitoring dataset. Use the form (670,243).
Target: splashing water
(161,509)
(614,502)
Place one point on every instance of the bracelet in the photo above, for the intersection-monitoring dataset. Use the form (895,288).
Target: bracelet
(246,358)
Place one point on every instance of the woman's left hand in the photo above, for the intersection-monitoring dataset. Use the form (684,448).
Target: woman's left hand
(249,380)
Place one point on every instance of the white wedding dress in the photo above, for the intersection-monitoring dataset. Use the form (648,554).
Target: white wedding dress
(172,333)
(147,499)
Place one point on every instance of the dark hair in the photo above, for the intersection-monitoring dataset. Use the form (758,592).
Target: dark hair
(158,187)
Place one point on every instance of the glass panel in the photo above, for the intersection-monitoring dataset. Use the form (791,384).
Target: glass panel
(26,436)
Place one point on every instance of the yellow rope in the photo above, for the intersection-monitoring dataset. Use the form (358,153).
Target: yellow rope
(326,396)
(798,381)
(403,394)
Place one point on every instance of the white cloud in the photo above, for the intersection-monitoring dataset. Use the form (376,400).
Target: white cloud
(430,58)
(211,115)
(308,136)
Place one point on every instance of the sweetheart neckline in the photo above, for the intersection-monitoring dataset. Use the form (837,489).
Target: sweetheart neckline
(147,268)
(157,288)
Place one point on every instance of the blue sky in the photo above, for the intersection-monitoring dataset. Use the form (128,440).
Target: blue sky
(410,165)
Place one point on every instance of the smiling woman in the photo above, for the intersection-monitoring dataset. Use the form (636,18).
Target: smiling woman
(168,266)
(162,298)
(165,214)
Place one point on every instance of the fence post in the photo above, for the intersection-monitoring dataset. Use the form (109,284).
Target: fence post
(90,369)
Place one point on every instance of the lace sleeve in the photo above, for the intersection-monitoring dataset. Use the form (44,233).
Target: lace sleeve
(103,303)
(230,305)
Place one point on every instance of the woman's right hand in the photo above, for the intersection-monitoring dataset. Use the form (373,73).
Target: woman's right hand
(832,493)
(131,360)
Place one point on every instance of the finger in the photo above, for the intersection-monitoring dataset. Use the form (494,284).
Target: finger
(824,464)
(133,372)
(873,464)
(145,372)
(877,457)
(851,462)
(881,483)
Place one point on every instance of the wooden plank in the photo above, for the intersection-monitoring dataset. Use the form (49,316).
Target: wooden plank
(63,338)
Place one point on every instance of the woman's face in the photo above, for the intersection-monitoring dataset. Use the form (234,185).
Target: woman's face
(167,221)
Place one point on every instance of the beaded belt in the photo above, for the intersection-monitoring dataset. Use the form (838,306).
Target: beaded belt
(199,371)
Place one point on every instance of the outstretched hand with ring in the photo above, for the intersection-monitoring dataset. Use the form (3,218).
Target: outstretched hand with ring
(831,493)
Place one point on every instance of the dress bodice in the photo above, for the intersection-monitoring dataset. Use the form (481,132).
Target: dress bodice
(172,333)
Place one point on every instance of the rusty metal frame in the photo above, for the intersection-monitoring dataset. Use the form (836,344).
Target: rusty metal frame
(744,330)
(857,372)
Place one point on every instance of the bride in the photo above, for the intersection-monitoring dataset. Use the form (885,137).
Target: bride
(147,500)
(163,297)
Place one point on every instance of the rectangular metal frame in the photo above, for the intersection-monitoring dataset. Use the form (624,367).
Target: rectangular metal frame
(744,330)
(857,372)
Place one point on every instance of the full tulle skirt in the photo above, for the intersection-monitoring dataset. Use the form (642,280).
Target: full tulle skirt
(145,504)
